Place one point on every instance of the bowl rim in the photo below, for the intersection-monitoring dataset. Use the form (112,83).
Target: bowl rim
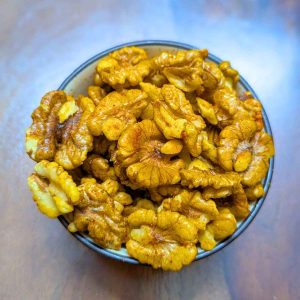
(266,183)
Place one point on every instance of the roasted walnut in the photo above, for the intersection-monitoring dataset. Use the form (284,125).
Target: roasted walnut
(174,116)
(53,189)
(183,69)
(164,240)
(123,68)
(100,213)
(117,111)
(139,153)
(41,135)
(220,228)
(193,206)
(76,140)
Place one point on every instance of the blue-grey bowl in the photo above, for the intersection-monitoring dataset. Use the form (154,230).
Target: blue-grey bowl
(78,81)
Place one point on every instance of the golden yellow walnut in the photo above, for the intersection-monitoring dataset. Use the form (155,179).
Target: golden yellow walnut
(172,147)
(157,78)
(164,240)
(174,115)
(53,189)
(254,107)
(231,75)
(193,206)
(96,93)
(234,151)
(41,135)
(59,131)
(201,173)
(99,167)
(123,68)
(195,179)
(262,150)
(212,193)
(209,149)
(117,111)
(139,153)
(76,140)
(201,164)
(245,151)
(165,191)
(228,108)
(138,204)
(219,229)
(238,203)
(183,69)
(100,213)
(212,76)
(233,197)
(219,76)
(255,192)
(207,111)
(192,98)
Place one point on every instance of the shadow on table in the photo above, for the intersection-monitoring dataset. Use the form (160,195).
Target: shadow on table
(121,280)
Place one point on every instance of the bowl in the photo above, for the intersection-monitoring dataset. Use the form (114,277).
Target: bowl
(78,81)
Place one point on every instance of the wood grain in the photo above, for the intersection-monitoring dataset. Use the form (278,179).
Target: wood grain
(41,42)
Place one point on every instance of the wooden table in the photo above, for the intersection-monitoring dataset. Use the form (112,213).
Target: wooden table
(41,42)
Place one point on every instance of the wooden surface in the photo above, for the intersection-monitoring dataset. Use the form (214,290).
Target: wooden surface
(41,42)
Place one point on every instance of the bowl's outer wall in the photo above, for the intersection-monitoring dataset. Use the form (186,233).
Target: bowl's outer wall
(78,81)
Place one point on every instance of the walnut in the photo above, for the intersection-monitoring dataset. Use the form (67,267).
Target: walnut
(255,192)
(100,213)
(262,150)
(209,149)
(41,135)
(234,151)
(216,183)
(157,78)
(254,107)
(172,147)
(96,93)
(161,192)
(204,178)
(123,68)
(219,229)
(53,189)
(59,131)
(139,153)
(207,111)
(231,75)
(99,167)
(117,111)
(138,204)
(219,76)
(76,140)
(164,240)
(238,204)
(212,76)
(233,198)
(228,108)
(200,164)
(174,116)
(183,69)
(193,206)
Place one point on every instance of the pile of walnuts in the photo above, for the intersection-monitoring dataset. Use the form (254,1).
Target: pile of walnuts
(163,154)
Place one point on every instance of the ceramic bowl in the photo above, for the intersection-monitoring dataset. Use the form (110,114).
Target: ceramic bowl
(78,81)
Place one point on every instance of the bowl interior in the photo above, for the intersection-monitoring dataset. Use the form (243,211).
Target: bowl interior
(77,84)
